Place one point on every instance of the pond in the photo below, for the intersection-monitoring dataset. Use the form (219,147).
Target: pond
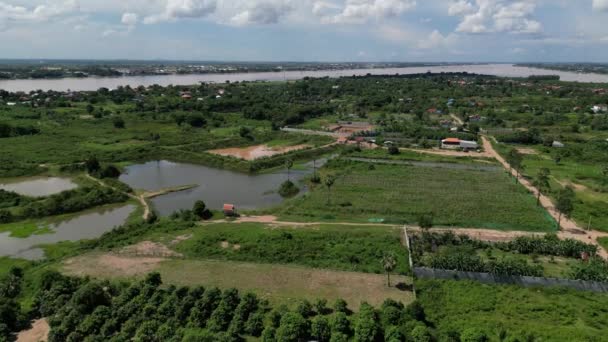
(215,186)
(88,225)
(39,186)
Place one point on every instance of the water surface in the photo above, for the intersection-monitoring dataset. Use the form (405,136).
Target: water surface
(215,186)
(39,187)
(94,83)
(88,225)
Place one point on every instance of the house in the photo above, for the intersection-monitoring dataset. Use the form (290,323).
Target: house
(230,210)
(11,104)
(599,109)
(450,143)
(467,145)
(456,144)
(186,96)
(557,144)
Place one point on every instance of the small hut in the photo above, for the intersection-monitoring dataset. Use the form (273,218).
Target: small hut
(230,210)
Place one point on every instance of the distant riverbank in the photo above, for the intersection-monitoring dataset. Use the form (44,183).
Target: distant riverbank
(94,83)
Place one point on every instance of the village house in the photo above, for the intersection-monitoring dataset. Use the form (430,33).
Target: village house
(230,210)
(457,144)
(558,144)
(599,109)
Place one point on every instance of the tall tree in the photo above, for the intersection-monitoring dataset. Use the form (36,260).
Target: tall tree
(565,203)
(329,182)
(288,166)
(389,262)
(542,182)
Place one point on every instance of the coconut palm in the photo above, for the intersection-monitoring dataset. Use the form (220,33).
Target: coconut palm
(389,262)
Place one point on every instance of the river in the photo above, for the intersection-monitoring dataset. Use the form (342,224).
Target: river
(94,83)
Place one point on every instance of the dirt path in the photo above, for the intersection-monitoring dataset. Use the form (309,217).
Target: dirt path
(143,197)
(570,230)
(38,332)
(457,119)
(269,219)
(449,153)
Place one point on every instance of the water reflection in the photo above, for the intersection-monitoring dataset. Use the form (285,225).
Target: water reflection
(39,187)
(88,225)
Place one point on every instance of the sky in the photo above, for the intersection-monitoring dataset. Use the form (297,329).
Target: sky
(307,30)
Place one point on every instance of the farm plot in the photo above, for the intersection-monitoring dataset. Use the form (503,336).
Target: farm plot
(397,193)
(346,248)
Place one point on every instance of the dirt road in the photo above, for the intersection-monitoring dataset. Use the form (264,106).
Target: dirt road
(570,230)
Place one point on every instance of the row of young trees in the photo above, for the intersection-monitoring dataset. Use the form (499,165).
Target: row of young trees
(84,310)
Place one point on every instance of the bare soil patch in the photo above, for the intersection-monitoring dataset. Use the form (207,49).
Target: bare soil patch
(256,152)
(149,248)
(181,238)
(37,333)
(110,265)
(529,151)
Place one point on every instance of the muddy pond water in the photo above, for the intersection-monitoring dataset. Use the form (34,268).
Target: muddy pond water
(87,225)
(39,186)
(215,186)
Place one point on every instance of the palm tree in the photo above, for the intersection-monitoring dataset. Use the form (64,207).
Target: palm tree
(542,182)
(329,182)
(288,165)
(389,262)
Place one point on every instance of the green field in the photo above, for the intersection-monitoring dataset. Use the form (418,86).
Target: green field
(400,194)
(522,314)
(347,248)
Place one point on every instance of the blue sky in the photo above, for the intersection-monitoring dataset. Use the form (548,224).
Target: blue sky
(307,30)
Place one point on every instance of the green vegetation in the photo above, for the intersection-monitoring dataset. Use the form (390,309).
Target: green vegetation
(513,313)
(398,193)
(524,256)
(347,248)
(25,229)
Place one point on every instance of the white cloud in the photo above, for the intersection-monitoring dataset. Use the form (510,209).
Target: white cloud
(183,9)
(600,5)
(262,12)
(485,16)
(461,7)
(362,11)
(129,19)
(41,12)
(436,40)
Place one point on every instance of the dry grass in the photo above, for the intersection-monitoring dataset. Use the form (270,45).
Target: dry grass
(278,283)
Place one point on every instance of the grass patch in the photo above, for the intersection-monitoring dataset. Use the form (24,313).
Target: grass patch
(409,155)
(280,284)
(346,248)
(553,314)
(25,229)
(401,194)
(603,242)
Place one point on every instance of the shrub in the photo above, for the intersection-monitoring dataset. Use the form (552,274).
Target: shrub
(288,189)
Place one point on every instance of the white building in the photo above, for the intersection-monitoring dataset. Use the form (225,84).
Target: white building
(599,109)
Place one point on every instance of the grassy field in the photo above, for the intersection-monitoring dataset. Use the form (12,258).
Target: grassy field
(592,198)
(401,194)
(409,155)
(347,248)
(527,313)
(280,284)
